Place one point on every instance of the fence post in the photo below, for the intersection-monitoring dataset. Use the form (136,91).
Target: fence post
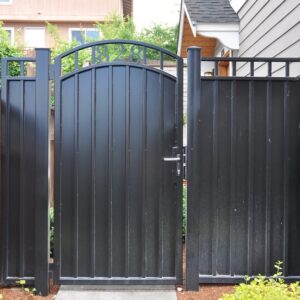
(42,186)
(193,208)
(3,114)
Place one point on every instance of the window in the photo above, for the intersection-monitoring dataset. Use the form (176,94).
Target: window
(10,32)
(5,2)
(34,37)
(83,35)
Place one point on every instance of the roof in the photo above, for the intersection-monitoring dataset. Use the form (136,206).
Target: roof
(211,11)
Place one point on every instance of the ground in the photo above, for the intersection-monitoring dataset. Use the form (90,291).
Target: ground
(19,294)
(206,292)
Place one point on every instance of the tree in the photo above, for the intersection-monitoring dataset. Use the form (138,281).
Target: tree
(118,27)
(161,35)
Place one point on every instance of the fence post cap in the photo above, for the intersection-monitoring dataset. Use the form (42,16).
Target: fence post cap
(41,48)
(194,48)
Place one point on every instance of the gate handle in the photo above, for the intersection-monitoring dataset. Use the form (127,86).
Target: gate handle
(171,159)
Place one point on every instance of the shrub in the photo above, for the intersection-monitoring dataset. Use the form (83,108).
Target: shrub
(51,231)
(263,288)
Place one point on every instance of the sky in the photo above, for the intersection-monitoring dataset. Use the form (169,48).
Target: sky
(147,12)
(236,4)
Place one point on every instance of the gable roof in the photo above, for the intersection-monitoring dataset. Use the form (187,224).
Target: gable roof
(211,11)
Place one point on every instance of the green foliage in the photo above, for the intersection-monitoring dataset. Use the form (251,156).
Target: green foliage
(8,50)
(68,62)
(22,283)
(262,288)
(184,119)
(114,27)
(117,27)
(161,35)
(61,47)
(51,231)
(184,203)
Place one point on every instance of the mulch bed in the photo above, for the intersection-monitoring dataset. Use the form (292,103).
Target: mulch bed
(17,293)
(206,291)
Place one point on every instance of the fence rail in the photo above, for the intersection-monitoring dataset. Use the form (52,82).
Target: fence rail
(251,62)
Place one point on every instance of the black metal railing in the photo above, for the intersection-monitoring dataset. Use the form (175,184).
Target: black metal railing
(247,66)
(116,51)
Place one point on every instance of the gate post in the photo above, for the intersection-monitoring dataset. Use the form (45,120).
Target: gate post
(42,186)
(193,207)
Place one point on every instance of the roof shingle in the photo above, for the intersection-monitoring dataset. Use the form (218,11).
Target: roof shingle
(211,11)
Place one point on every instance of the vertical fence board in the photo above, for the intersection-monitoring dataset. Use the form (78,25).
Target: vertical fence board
(101,171)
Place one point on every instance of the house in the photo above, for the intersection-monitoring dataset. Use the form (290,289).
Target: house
(242,28)
(269,29)
(211,25)
(26,20)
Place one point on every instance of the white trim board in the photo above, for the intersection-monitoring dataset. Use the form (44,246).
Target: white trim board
(226,33)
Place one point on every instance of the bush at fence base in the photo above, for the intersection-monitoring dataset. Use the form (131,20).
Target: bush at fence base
(262,288)
(51,232)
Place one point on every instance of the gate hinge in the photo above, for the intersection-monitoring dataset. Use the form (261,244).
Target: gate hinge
(51,72)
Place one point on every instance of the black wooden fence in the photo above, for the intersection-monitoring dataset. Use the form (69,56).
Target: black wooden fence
(243,168)
(243,172)
(24,171)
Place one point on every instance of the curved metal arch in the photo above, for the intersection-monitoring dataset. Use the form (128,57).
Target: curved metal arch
(105,65)
(107,42)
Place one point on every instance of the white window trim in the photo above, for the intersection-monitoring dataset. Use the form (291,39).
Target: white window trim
(6,3)
(12,36)
(32,27)
(81,29)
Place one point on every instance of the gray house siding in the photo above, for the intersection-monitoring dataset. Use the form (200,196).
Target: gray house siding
(269,28)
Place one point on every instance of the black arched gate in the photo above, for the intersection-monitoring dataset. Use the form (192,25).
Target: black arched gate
(118,141)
